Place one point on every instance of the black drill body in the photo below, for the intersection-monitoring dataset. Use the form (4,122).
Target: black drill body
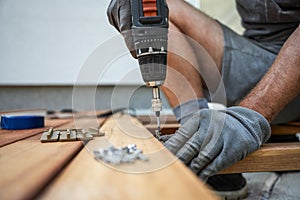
(150,37)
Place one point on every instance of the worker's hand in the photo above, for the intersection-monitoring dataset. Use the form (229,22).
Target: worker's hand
(119,15)
(214,140)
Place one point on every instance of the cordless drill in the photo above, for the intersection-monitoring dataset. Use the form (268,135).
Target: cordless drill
(150,37)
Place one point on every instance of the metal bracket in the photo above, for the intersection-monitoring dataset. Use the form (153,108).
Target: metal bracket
(66,135)
(50,136)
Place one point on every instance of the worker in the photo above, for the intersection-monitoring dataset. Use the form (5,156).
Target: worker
(260,72)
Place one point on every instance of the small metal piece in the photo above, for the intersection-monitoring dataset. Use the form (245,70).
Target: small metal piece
(101,132)
(67,135)
(154,83)
(88,136)
(96,132)
(79,134)
(50,132)
(50,136)
(156,101)
(113,155)
(156,107)
(157,133)
(64,135)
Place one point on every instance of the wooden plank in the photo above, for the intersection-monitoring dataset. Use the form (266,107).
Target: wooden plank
(170,125)
(270,157)
(162,177)
(27,166)
(166,129)
(10,136)
(165,119)
(286,129)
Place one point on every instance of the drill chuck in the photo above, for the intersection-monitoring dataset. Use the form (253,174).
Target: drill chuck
(151,52)
(156,101)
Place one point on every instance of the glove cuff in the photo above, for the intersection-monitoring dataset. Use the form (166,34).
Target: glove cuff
(255,122)
(184,111)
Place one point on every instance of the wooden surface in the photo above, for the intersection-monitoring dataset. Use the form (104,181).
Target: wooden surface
(27,166)
(166,129)
(169,127)
(286,129)
(63,170)
(165,119)
(162,177)
(60,170)
(270,157)
(10,136)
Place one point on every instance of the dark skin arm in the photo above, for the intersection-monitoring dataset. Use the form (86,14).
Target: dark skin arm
(281,84)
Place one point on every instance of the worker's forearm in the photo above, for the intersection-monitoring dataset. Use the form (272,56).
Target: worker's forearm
(198,26)
(281,84)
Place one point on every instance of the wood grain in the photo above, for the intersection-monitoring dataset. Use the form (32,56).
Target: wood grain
(162,177)
(286,129)
(165,119)
(10,136)
(170,125)
(166,129)
(270,157)
(27,166)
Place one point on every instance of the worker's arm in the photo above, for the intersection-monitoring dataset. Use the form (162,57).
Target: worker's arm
(213,140)
(281,84)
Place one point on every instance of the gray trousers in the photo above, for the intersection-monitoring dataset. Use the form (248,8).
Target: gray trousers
(244,64)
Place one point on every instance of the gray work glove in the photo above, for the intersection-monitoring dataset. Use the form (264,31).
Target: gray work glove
(214,140)
(185,111)
(119,15)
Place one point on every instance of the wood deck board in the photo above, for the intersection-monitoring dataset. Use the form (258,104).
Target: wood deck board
(270,157)
(11,136)
(86,178)
(27,166)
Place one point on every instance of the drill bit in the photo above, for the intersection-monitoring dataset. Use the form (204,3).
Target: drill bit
(156,106)
(157,131)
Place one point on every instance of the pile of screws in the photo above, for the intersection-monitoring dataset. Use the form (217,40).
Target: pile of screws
(113,155)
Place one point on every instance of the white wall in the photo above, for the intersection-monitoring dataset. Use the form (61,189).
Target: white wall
(46,42)
(51,42)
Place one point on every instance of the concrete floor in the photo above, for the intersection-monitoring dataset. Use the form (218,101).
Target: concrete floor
(273,186)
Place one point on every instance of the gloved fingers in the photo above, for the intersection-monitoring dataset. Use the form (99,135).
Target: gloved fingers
(190,149)
(207,172)
(164,138)
(219,163)
(229,154)
(124,13)
(204,158)
(175,143)
(111,10)
(182,135)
